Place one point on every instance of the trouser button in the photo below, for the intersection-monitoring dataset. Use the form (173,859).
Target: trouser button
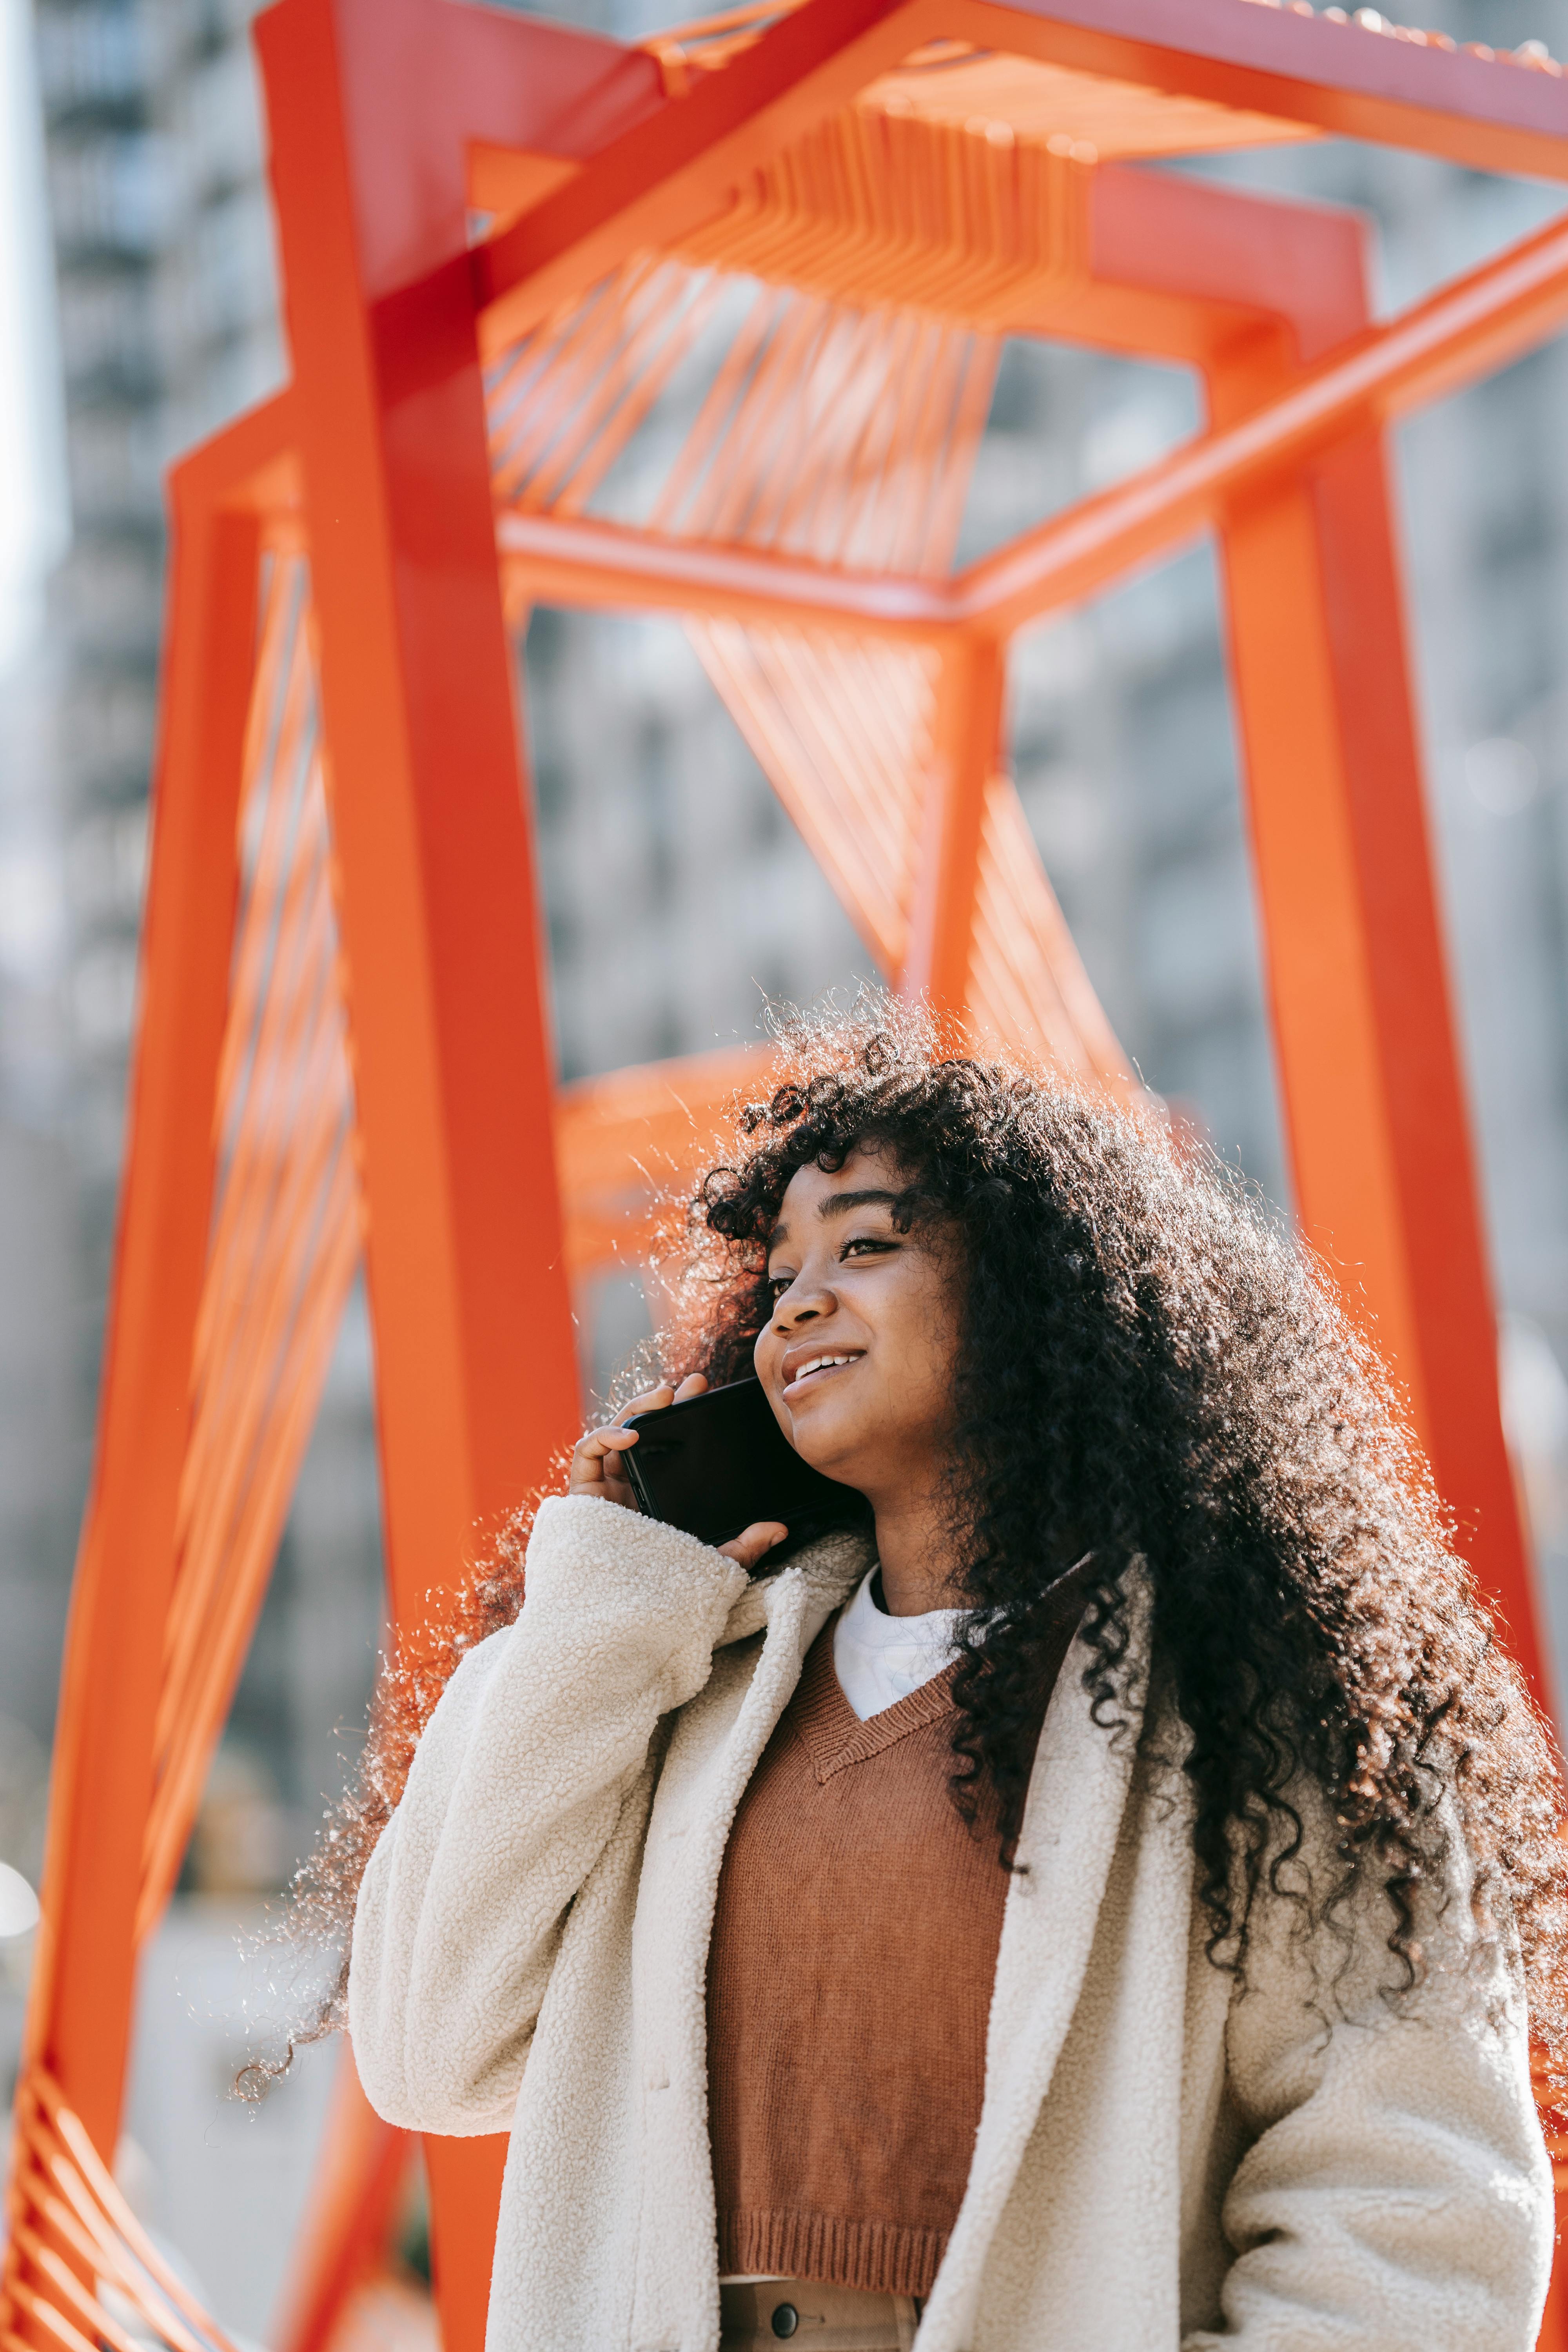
(786,2319)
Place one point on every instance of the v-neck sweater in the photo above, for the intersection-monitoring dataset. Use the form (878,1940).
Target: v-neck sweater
(849,1982)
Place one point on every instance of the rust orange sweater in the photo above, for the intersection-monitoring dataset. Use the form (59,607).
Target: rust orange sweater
(848,1989)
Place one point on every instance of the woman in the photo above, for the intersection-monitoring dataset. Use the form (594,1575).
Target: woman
(1094,1909)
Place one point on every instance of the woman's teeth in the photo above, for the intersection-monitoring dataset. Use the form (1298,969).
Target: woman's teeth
(818,1364)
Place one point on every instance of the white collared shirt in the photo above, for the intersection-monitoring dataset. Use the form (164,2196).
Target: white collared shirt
(879,1659)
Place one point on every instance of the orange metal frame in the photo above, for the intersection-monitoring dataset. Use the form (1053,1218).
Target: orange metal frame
(349,1045)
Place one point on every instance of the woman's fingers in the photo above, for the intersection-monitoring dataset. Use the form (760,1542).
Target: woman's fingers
(596,1464)
(753,1543)
(652,1401)
(611,1438)
(655,1400)
(596,1467)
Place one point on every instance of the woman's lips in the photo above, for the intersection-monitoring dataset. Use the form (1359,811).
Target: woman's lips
(819,1367)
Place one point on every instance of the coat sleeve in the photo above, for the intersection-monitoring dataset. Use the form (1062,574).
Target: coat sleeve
(515,1790)
(1396,2193)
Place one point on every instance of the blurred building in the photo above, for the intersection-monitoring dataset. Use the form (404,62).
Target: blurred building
(167,324)
(678,898)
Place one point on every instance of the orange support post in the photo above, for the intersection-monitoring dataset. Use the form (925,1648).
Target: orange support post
(363,2169)
(437,901)
(1367,1057)
(79,2022)
(968,751)
(1426,1110)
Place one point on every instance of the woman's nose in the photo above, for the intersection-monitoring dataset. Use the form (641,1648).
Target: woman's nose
(802,1302)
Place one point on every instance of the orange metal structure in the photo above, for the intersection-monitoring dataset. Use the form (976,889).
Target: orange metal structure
(498,239)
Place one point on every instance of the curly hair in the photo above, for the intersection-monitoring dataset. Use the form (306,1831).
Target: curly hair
(1149,1371)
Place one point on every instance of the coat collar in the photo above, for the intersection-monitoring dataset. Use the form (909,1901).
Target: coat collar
(806,1592)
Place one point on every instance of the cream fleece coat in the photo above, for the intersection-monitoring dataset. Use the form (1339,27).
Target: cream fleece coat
(1160,2163)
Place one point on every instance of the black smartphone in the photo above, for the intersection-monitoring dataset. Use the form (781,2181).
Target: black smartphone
(719,1461)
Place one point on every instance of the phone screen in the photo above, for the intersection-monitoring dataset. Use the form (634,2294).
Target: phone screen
(719,1461)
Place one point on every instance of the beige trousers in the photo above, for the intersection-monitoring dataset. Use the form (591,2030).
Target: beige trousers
(763,2314)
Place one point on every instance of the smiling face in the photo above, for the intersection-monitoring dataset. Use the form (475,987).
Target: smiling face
(859,1357)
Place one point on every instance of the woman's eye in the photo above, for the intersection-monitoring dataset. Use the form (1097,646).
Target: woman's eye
(870,1243)
(777,1284)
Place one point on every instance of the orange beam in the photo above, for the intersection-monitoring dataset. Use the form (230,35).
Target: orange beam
(673,172)
(1365,1044)
(1464,331)
(658,1119)
(1412,91)
(362,2170)
(968,749)
(624,1142)
(1332,1059)
(568,560)
(80,2014)
(1367,1055)
(1188,270)
(676,169)
(1427,1109)
(370,103)
(434,862)
(1394,85)
(1494,315)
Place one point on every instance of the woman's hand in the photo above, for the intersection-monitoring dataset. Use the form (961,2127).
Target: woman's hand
(597,1469)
